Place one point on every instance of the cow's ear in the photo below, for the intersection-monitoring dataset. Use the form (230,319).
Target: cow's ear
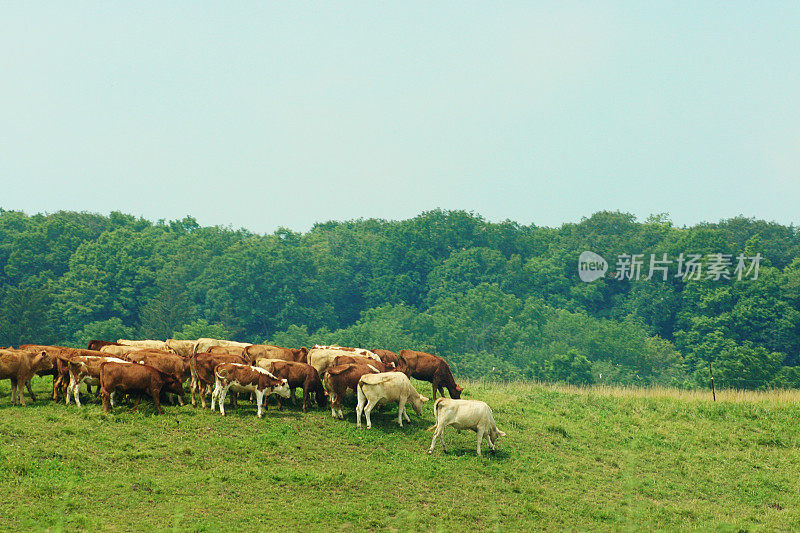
(423,398)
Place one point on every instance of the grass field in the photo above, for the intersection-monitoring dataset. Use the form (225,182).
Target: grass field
(576,459)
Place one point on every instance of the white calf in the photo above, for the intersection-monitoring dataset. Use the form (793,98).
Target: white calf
(383,388)
(464,414)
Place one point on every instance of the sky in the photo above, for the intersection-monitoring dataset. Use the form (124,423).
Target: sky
(261,115)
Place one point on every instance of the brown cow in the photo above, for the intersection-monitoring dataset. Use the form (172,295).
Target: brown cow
(202,366)
(137,379)
(55,370)
(387,357)
(427,367)
(298,375)
(20,366)
(255,352)
(95,344)
(245,378)
(85,369)
(338,379)
(358,360)
(166,362)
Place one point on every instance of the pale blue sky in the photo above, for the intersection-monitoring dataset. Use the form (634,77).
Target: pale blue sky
(264,115)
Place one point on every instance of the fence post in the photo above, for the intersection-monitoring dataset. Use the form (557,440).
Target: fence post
(711,372)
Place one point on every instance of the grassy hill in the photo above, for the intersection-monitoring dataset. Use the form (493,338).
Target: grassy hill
(592,459)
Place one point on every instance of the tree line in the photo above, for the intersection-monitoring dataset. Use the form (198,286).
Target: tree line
(498,300)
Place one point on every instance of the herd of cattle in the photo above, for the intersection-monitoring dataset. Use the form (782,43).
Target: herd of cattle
(325,373)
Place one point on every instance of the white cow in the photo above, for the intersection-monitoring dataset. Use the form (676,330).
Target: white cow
(383,388)
(464,414)
(180,347)
(156,345)
(321,357)
(203,344)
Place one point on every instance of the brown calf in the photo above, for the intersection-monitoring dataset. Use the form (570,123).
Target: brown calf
(166,362)
(427,367)
(202,366)
(138,379)
(387,357)
(342,377)
(245,378)
(20,366)
(359,360)
(298,375)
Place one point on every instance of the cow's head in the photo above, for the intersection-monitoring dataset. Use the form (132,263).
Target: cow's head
(457,394)
(282,388)
(300,354)
(402,366)
(41,361)
(417,402)
(173,384)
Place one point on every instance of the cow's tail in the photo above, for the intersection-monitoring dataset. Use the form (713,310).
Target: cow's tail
(436,413)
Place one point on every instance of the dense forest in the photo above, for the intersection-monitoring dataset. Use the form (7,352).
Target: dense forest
(497,300)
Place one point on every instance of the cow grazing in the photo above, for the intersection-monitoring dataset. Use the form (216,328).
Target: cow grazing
(202,367)
(137,379)
(19,366)
(380,389)
(166,362)
(181,347)
(464,414)
(255,352)
(297,375)
(427,367)
(85,369)
(338,379)
(245,378)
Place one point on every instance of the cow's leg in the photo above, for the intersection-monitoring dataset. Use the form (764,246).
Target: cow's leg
(204,393)
(292,397)
(305,399)
(333,404)
(221,400)
(76,392)
(88,389)
(489,439)
(108,402)
(193,389)
(30,391)
(136,403)
(156,394)
(368,411)
(215,395)
(435,386)
(480,438)
(438,432)
(13,391)
(362,400)
(260,400)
